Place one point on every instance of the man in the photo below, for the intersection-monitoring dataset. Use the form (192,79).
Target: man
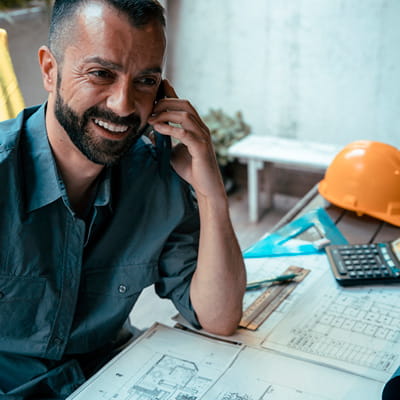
(91,214)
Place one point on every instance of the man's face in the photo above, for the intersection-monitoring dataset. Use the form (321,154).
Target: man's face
(98,148)
(107,83)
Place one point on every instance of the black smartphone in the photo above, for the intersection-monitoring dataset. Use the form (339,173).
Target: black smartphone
(161,143)
(149,131)
(160,92)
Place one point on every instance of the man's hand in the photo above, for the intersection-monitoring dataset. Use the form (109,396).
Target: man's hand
(194,157)
(218,284)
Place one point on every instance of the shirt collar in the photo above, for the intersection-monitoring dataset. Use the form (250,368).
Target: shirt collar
(103,196)
(40,170)
(43,181)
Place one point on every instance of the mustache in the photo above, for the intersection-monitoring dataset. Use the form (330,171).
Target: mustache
(96,112)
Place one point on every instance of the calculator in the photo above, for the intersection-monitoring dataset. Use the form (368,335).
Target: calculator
(359,264)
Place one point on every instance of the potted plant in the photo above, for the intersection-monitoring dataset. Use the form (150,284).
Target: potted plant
(225,131)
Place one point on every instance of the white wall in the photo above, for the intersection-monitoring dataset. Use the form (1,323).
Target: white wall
(326,70)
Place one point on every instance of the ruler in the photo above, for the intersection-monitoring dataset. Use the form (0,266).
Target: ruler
(268,301)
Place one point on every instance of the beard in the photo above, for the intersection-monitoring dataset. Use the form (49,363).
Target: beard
(97,149)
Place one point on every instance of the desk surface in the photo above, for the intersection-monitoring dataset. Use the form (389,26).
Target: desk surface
(285,375)
(356,229)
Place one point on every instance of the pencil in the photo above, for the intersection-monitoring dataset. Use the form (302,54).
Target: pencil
(280,278)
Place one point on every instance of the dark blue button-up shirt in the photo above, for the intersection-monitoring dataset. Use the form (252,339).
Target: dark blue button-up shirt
(66,284)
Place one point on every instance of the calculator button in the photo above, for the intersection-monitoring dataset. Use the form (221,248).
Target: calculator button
(341,268)
(391,264)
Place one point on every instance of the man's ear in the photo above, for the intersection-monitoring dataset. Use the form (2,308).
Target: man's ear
(48,67)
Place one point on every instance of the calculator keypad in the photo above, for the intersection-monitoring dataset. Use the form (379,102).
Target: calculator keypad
(363,263)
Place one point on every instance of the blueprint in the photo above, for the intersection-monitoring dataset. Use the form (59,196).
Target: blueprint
(164,364)
(355,329)
(323,342)
(269,267)
(266,375)
(171,364)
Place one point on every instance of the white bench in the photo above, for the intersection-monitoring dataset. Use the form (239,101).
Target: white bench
(256,150)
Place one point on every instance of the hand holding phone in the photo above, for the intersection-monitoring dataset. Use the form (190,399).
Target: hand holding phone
(193,157)
(149,130)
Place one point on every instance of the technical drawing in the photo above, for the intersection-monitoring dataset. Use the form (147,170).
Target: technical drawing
(236,396)
(357,329)
(170,378)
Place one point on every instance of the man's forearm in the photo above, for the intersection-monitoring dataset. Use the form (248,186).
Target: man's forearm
(219,282)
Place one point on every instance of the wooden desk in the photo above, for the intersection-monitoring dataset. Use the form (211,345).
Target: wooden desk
(258,367)
(356,229)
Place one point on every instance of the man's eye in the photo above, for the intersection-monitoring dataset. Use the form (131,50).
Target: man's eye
(147,81)
(101,74)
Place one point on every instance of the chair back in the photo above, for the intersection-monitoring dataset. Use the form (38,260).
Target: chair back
(11,99)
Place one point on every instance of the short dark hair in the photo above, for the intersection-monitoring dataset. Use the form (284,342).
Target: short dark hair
(139,13)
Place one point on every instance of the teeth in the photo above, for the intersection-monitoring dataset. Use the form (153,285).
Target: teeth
(112,127)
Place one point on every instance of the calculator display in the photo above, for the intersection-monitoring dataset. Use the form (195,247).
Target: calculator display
(396,248)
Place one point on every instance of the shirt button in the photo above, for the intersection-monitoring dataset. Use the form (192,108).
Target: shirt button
(122,289)
(58,341)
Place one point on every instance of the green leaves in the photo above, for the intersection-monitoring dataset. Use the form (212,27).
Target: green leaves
(225,131)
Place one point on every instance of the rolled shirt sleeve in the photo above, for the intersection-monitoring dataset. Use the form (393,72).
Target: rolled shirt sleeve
(178,261)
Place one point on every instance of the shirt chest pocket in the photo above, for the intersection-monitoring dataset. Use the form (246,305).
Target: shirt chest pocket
(108,295)
(119,282)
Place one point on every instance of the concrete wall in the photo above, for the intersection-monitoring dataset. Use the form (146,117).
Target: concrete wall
(311,69)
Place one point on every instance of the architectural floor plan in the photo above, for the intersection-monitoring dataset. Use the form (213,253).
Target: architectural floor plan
(357,329)
(164,364)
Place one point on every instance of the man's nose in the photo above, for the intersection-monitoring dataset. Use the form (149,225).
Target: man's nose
(122,99)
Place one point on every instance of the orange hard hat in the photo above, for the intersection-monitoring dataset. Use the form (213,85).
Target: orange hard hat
(365,177)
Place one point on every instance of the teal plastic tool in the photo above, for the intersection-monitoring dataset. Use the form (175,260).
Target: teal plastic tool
(280,243)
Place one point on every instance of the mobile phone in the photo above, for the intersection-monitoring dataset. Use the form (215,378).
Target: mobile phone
(160,92)
(161,143)
(148,130)
(358,264)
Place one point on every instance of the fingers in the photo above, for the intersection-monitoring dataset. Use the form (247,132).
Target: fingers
(168,105)
(171,102)
(184,127)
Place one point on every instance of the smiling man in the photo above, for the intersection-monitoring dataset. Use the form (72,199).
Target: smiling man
(93,213)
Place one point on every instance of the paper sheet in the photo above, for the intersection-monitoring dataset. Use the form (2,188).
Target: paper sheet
(164,363)
(264,268)
(356,329)
(265,375)
(170,364)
